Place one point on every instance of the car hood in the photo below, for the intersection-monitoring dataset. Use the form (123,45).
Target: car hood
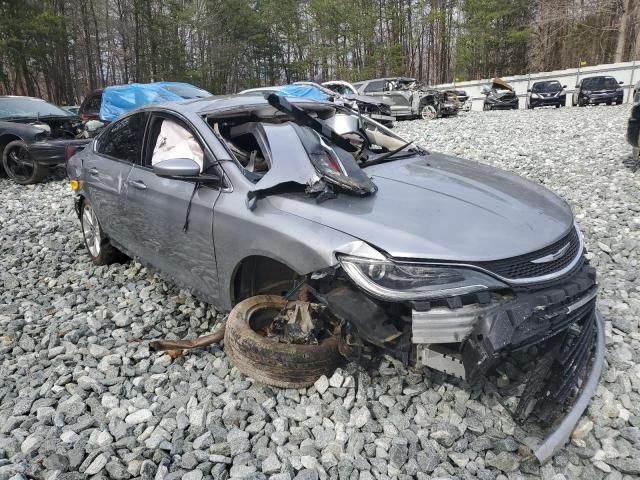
(442,208)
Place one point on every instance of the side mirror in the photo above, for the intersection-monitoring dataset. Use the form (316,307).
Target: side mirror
(577,86)
(620,83)
(564,86)
(528,90)
(177,167)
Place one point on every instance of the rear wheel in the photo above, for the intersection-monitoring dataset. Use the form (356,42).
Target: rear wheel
(100,249)
(20,166)
(609,102)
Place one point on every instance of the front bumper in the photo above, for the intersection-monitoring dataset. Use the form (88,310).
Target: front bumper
(597,98)
(381,118)
(559,436)
(547,101)
(511,104)
(633,127)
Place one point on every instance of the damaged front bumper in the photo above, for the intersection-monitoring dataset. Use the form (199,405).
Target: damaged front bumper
(544,343)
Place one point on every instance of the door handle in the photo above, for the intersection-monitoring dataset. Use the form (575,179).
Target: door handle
(94,171)
(139,184)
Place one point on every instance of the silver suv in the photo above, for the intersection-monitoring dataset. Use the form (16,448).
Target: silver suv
(436,260)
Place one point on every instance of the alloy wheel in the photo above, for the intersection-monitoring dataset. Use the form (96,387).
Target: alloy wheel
(91,230)
(19,163)
(429,112)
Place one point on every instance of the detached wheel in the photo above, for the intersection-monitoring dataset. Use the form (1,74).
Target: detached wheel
(429,112)
(100,249)
(20,165)
(267,360)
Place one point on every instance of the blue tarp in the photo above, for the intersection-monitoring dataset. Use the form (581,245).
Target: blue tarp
(305,91)
(119,99)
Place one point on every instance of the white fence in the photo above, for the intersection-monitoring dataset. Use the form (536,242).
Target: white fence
(627,72)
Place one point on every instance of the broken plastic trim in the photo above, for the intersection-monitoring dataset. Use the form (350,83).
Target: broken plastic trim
(561,434)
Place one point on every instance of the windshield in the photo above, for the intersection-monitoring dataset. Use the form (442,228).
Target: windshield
(599,83)
(187,92)
(551,86)
(341,89)
(23,107)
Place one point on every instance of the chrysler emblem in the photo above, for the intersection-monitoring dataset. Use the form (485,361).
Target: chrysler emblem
(552,256)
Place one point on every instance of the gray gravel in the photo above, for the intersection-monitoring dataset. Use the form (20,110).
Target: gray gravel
(81,394)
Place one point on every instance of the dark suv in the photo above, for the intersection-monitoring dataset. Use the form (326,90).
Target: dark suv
(595,90)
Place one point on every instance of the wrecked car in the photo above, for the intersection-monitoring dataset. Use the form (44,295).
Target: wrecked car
(33,137)
(365,106)
(500,96)
(409,98)
(463,99)
(371,107)
(329,236)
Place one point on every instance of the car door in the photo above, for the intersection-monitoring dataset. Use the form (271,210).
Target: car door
(107,168)
(170,220)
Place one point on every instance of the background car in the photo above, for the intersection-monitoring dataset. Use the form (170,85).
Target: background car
(633,131)
(33,137)
(499,96)
(547,93)
(597,90)
(92,105)
(408,97)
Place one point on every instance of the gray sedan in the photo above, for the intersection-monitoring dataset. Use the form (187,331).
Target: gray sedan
(438,261)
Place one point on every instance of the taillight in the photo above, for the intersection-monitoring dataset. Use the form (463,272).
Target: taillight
(69,151)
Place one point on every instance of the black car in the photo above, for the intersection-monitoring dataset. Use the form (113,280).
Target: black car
(500,96)
(596,90)
(34,135)
(548,93)
(633,130)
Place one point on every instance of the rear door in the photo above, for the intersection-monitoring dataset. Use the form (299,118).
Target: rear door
(107,168)
(171,221)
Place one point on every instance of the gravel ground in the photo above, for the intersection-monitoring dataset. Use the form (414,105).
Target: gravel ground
(82,396)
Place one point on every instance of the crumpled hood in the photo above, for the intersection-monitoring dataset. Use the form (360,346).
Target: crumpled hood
(441,207)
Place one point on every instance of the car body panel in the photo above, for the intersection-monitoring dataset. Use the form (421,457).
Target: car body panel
(154,219)
(422,202)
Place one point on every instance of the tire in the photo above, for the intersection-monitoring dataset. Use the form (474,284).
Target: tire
(20,166)
(96,242)
(581,103)
(485,107)
(558,105)
(428,112)
(269,361)
(609,102)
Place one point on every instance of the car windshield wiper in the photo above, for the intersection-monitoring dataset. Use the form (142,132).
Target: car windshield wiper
(389,156)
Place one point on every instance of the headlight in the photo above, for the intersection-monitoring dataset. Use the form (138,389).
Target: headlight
(586,92)
(535,95)
(618,90)
(394,281)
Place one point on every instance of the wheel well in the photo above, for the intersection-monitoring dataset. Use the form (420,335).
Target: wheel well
(259,275)
(5,140)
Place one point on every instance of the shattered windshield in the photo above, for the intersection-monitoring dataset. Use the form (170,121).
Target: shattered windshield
(323,148)
(600,83)
(546,87)
(23,107)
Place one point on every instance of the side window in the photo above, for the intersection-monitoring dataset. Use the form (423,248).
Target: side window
(170,139)
(123,140)
(377,86)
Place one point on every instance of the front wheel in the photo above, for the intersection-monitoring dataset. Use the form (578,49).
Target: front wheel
(20,165)
(100,249)
(485,107)
(428,112)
